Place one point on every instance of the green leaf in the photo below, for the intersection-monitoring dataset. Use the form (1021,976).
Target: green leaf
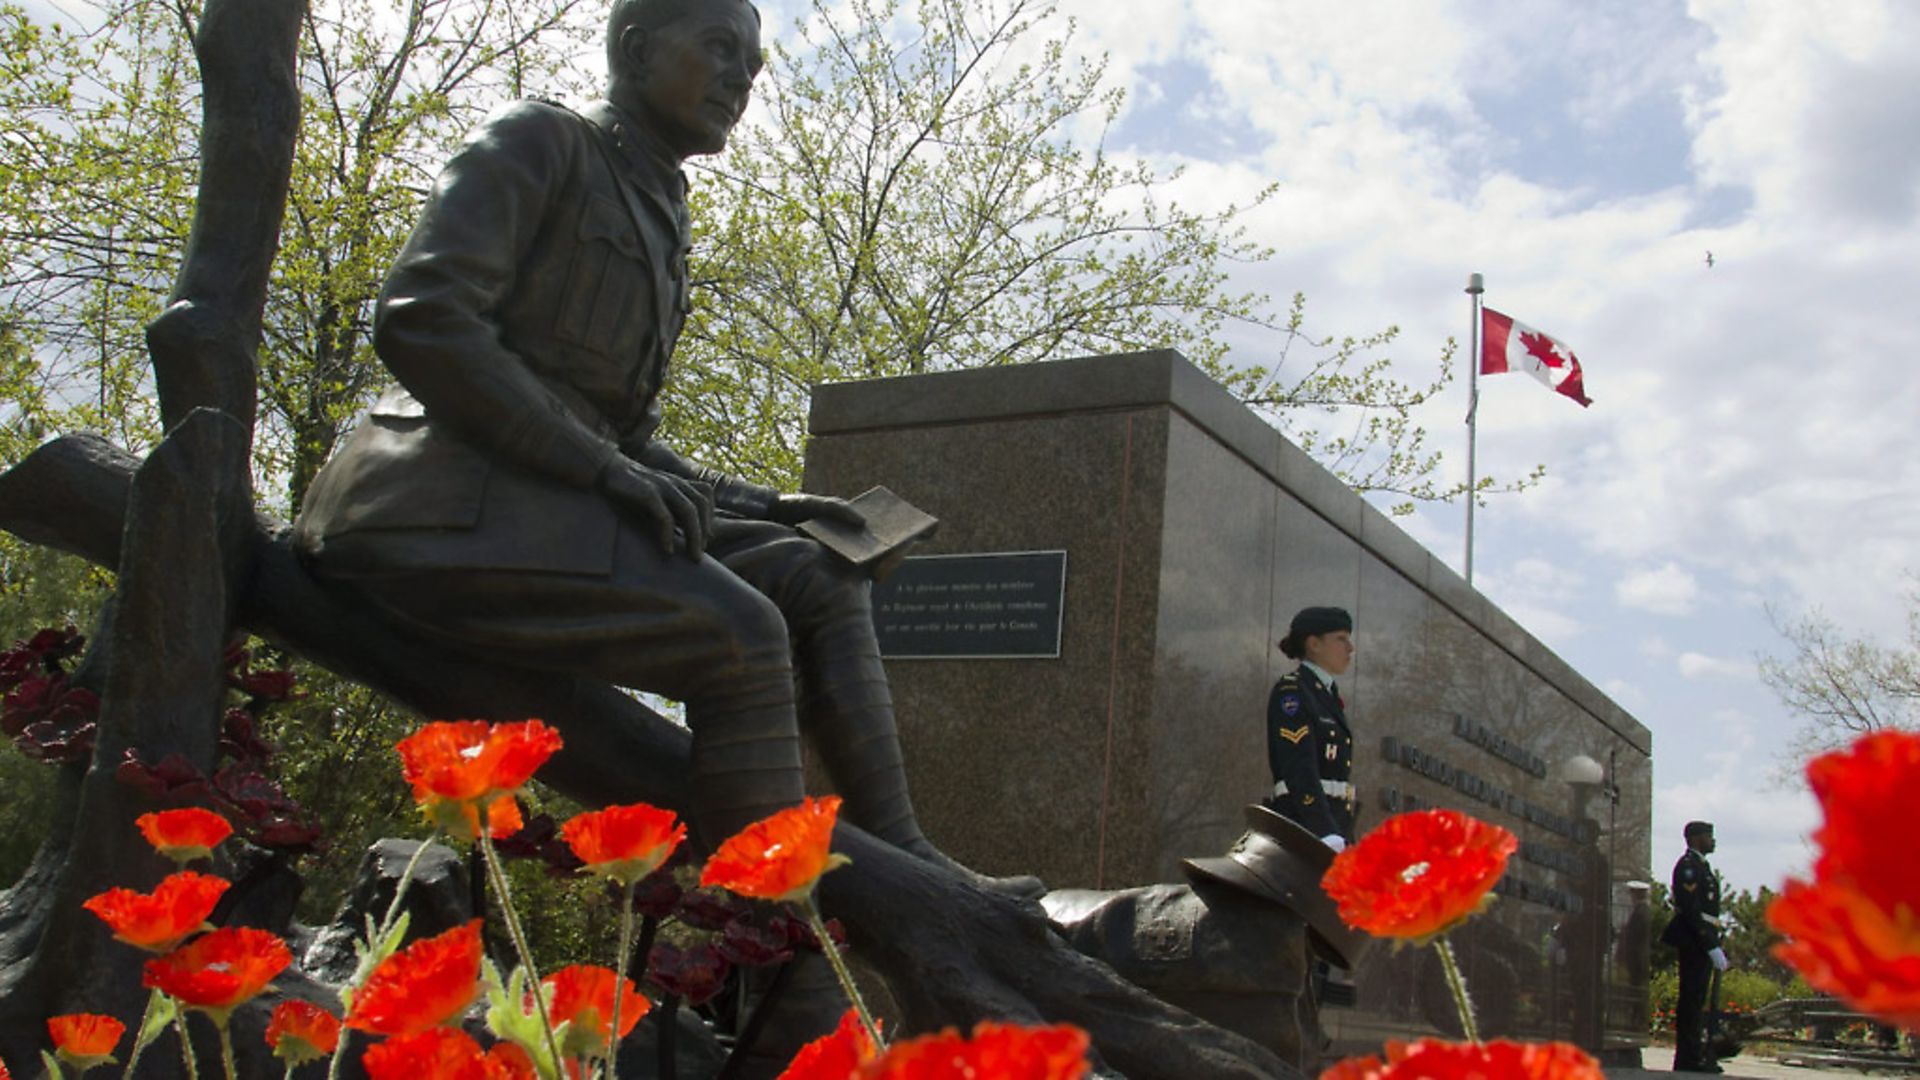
(160,1013)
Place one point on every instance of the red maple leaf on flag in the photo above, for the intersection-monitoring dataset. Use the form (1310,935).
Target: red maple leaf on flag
(1543,349)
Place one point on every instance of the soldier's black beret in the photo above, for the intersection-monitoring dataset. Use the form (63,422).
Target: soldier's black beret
(1319,620)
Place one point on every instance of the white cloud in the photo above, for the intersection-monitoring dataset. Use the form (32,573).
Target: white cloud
(1695,665)
(1664,590)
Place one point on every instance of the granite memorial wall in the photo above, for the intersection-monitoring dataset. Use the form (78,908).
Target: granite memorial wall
(1081,659)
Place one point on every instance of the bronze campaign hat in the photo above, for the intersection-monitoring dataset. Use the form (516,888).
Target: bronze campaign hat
(1278,860)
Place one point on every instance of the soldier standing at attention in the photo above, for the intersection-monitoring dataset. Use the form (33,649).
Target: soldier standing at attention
(1309,744)
(1695,932)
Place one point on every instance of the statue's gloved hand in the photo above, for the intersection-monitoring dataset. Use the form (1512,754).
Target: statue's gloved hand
(1335,841)
(1719,958)
(794,509)
(661,502)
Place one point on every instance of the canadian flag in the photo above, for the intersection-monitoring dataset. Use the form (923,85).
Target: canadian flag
(1507,344)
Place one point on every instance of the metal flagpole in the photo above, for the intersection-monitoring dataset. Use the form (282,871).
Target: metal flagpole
(1475,286)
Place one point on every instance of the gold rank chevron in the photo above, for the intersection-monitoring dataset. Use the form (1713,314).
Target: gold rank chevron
(1295,735)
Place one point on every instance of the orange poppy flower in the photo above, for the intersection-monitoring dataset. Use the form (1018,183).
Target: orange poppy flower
(1058,1052)
(625,843)
(459,768)
(836,1056)
(422,986)
(1853,931)
(1003,1051)
(779,857)
(300,1031)
(509,1061)
(583,995)
(4,1074)
(220,970)
(1502,1059)
(432,1054)
(159,921)
(84,1040)
(184,835)
(1419,875)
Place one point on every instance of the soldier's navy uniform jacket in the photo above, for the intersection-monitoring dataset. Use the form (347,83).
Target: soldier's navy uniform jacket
(1696,904)
(1310,749)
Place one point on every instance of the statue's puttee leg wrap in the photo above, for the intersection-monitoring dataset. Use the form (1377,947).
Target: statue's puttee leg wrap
(746,743)
(848,710)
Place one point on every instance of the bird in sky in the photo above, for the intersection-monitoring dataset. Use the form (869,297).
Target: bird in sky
(1709,260)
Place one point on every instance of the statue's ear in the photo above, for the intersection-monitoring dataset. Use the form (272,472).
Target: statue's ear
(633,49)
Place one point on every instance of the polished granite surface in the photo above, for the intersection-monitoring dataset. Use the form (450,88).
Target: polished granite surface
(1193,533)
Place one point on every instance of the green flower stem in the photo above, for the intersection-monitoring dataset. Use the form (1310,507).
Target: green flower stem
(339,1053)
(288,1075)
(226,1049)
(1458,985)
(153,1001)
(499,879)
(406,879)
(840,969)
(186,1045)
(620,976)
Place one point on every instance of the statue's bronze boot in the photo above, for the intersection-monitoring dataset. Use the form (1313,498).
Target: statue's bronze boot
(848,711)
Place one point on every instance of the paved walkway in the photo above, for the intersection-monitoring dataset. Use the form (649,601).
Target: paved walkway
(1658,1061)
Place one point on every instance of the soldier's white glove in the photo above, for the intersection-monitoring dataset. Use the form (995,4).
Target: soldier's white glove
(1335,841)
(1719,958)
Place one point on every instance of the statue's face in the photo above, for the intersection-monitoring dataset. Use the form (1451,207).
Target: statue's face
(691,77)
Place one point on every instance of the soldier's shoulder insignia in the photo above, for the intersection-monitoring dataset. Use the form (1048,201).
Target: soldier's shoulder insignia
(1290,704)
(1293,735)
(1686,871)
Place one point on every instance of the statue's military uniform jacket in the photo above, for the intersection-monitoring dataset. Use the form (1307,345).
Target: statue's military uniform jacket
(529,320)
(1696,905)
(1310,749)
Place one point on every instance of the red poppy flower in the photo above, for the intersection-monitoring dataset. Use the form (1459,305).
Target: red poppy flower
(583,995)
(432,1054)
(1854,931)
(458,768)
(509,1061)
(223,969)
(779,857)
(4,1074)
(836,1056)
(625,843)
(300,1031)
(422,986)
(1003,1051)
(184,835)
(84,1040)
(1418,875)
(1502,1059)
(1058,1052)
(159,921)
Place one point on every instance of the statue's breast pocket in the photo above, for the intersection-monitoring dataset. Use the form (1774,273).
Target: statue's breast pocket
(608,289)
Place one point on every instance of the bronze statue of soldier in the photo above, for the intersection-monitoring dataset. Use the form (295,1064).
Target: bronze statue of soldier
(509,497)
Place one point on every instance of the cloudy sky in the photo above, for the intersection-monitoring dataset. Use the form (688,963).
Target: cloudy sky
(1752,440)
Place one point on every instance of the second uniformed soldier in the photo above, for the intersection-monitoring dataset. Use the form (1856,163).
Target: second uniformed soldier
(1309,745)
(1695,932)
